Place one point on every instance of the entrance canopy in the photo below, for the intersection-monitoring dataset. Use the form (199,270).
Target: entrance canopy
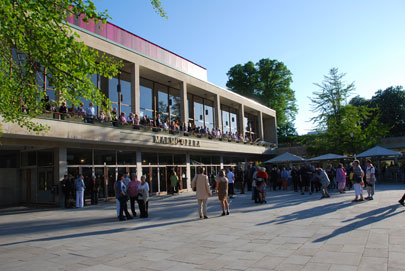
(379,151)
(329,156)
(285,158)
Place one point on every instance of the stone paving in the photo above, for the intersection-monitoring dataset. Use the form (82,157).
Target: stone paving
(290,232)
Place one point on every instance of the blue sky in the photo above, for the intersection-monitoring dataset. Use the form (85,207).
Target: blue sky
(364,38)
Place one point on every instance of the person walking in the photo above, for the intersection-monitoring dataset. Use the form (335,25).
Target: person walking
(358,175)
(80,187)
(295,178)
(370,180)
(121,195)
(143,197)
(174,180)
(65,189)
(341,178)
(324,180)
(132,189)
(221,189)
(231,180)
(202,188)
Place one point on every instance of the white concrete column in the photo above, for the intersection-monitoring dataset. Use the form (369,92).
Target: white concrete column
(260,129)
(138,165)
(188,172)
(183,102)
(221,162)
(135,89)
(217,108)
(241,118)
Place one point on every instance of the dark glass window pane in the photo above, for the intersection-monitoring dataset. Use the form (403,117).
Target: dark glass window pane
(9,159)
(216,160)
(165,159)
(79,156)
(149,158)
(146,97)
(163,102)
(206,160)
(112,89)
(126,158)
(29,158)
(179,159)
(45,158)
(104,156)
(198,112)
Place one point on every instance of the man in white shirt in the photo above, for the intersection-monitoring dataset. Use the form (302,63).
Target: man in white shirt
(231,182)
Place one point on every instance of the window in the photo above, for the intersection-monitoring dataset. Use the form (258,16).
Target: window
(102,157)
(125,92)
(174,104)
(209,114)
(226,126)
(79,156)
(198,112)
(163,102)
(146,102)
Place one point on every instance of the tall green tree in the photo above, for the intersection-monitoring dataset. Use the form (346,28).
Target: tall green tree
(269,83)
(342,128)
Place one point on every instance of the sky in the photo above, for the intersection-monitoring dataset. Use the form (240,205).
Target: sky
(365,39)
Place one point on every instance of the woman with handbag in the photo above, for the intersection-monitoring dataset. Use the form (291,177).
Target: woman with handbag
(358,175)
(221,189)
(143,197)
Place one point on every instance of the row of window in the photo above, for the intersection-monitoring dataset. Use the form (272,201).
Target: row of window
(157,98)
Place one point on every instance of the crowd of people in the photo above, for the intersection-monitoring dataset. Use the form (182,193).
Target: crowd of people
(90,115)
(306,178)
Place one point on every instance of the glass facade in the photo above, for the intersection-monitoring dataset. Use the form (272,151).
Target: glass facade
(229,119)
(146,101)
(126,93)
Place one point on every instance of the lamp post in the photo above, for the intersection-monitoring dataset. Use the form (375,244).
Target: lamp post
(353,149)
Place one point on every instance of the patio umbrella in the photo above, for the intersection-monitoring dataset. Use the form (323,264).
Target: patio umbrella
(285,158)
(329,156)
(378,151)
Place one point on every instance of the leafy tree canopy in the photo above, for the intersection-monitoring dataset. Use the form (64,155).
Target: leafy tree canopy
(342,128)
(34,38)
(268,82)
(391,104)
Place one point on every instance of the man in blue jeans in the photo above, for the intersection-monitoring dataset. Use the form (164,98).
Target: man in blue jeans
(121,196)
(80,187)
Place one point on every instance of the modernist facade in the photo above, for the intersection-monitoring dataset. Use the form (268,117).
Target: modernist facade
(152,81)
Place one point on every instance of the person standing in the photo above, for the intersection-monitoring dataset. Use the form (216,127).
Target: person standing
(231,182)
(284,178)
(402,200)
(201,185)
(80,187)
(221,189)
(341,178)
(121,195)
(94,189)
(174,180)
(306,175)
(295,178)
(132,189)
(358,175)
(261,178)
(324,180)
(370,179)
(143,197)
(65,190)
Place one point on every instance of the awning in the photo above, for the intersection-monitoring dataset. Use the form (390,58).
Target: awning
(285,158)
(329,156)
(378,151)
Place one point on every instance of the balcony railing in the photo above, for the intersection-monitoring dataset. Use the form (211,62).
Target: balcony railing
(83,119)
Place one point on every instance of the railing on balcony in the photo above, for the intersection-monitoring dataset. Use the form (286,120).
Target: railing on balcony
(83,119)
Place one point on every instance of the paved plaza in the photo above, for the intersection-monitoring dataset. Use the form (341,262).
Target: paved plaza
(290,232)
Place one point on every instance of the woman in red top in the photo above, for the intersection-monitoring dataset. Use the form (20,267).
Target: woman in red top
(261,178)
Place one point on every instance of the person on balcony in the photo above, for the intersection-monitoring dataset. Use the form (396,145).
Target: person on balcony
(90,113)
(130,118)
(123,119)
(158,121)
(80,110)
(165,126)
(62,111)
(136,119)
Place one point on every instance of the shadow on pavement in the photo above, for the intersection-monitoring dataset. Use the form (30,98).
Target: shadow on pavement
(362,220)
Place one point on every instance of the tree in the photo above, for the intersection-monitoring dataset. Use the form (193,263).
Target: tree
(342,128)
(268,82)
(391,105)
(36,39)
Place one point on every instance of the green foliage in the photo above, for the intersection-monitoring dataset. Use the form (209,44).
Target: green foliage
(268,82)
(34,38)
(342,129)
(157,6)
